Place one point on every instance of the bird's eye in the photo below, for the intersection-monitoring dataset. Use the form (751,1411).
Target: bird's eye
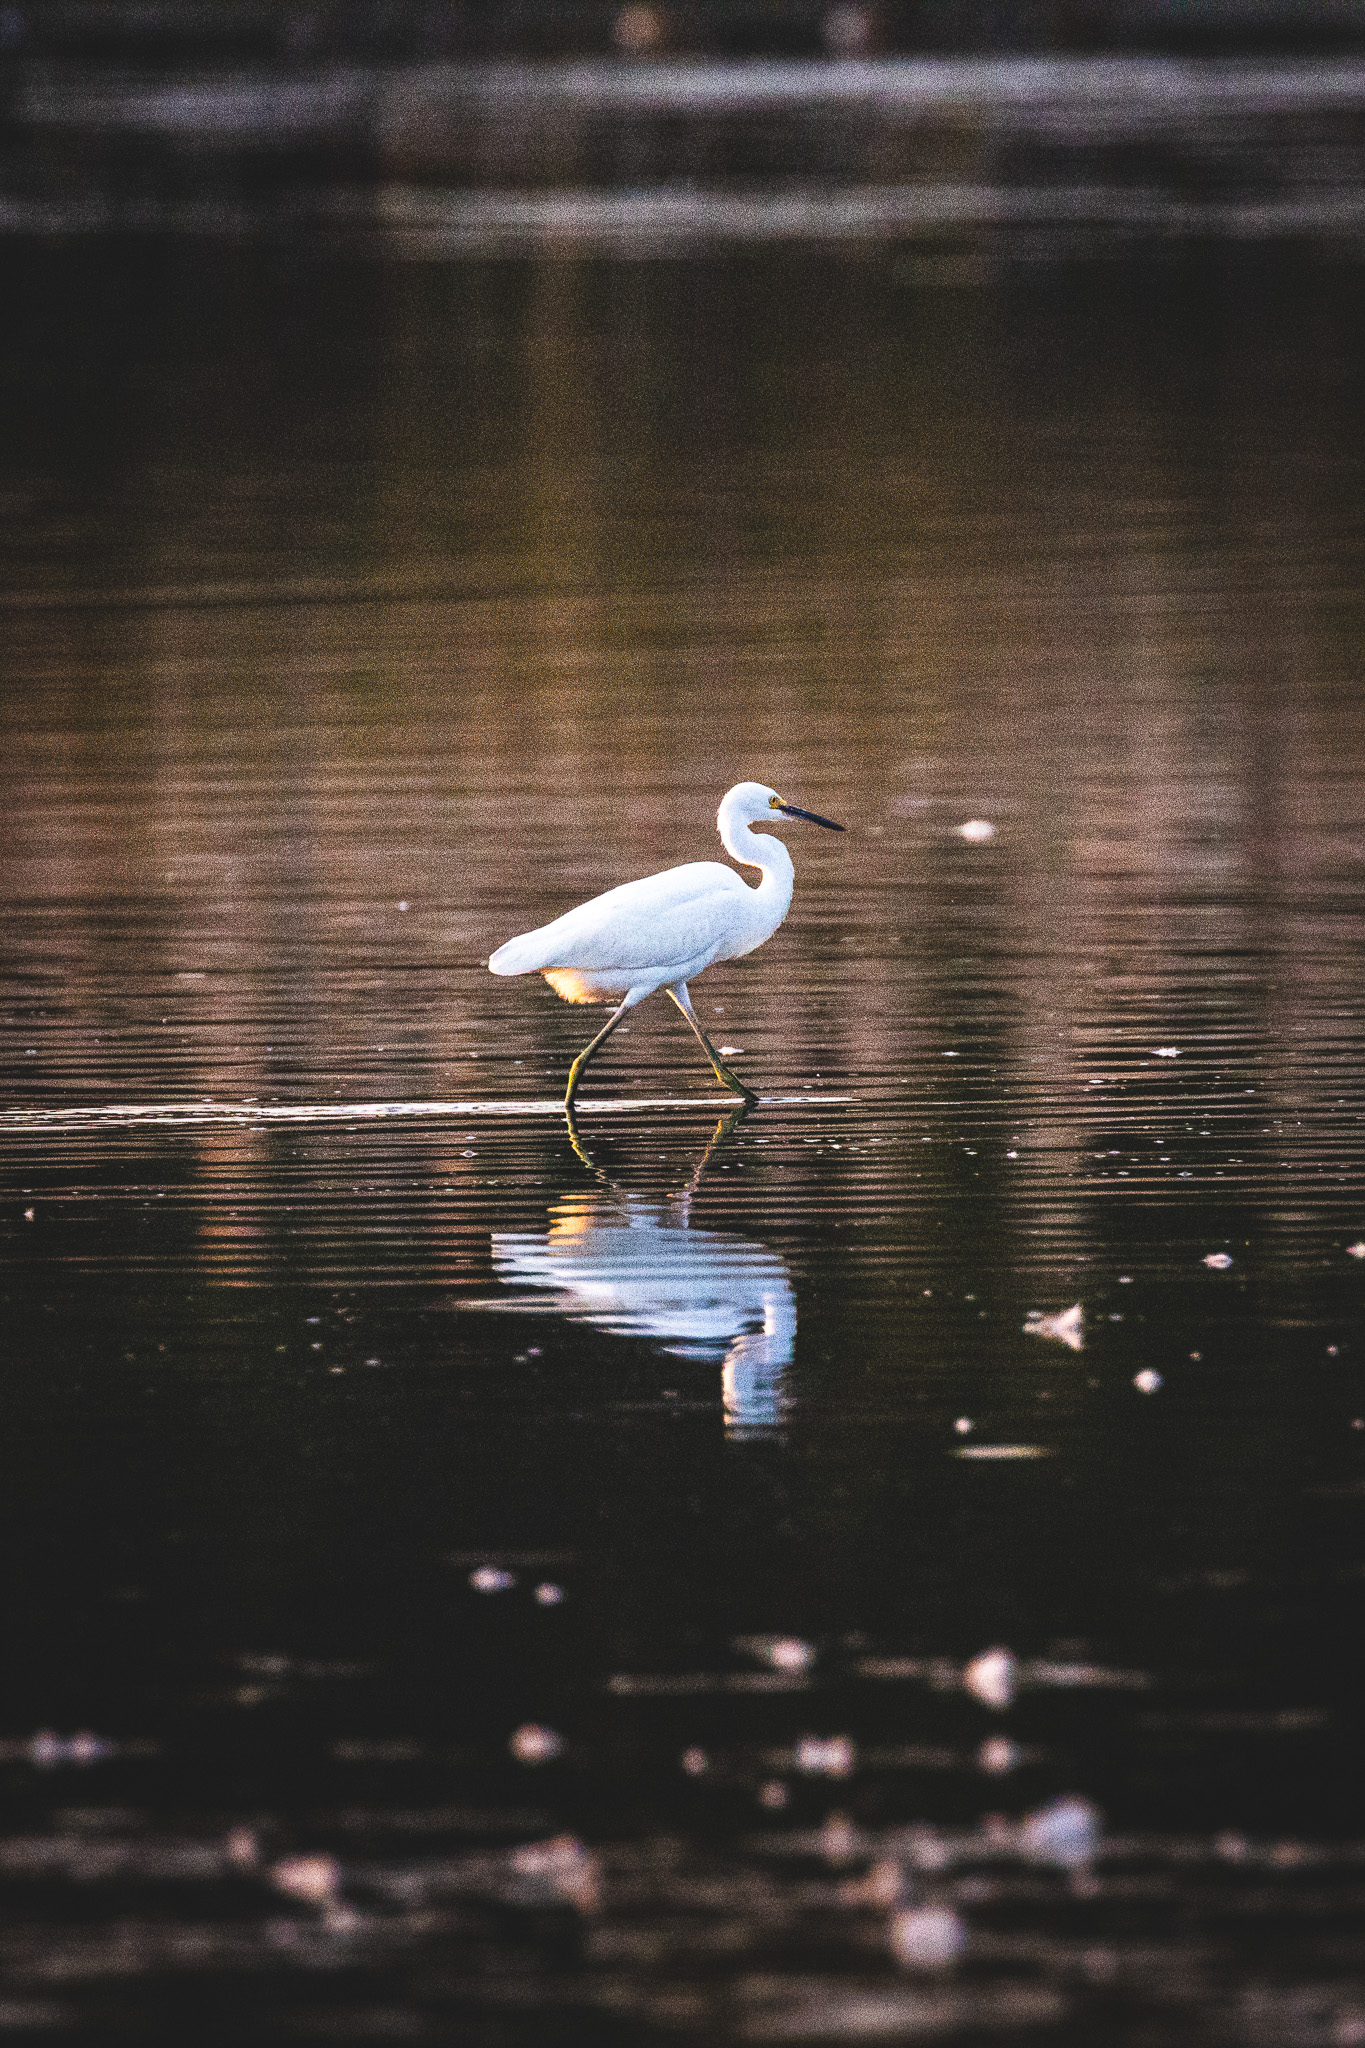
(774,803)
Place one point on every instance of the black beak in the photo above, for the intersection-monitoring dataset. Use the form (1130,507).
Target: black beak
(791,811)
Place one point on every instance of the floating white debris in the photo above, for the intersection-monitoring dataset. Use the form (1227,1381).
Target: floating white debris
(1003,1451)
(564,1868)
(242,1847)
(1147,1382)
(1066,1831)
(315,1879)
(825,1756)
(728,1052)
(992,1678)
(840,1840)
(1067,1326)
(774,1795)
(976,830)
(488,1579)
(1220,1261)
(1356,1251)
(997,1755)
(1166,1052)
(963,1425)
(532,1744)
(49,1750)
(929,1938)
(548,1594)
(780,1653)
(695,1762)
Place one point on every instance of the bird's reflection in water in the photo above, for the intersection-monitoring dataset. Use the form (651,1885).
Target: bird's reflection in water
(638,1268)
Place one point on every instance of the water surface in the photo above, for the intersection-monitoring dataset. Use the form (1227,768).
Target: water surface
(461,1586)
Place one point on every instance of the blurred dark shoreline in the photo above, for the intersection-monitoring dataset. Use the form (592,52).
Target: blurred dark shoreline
(437,158)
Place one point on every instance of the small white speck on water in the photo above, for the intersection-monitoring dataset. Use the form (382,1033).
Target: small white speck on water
(532,1744)
(926,1938)
(695,1762)
(992,1678)
(1066,1326)
(1353,1251)
(1147,1382)
(825,1756)
(1066,1831)
(728,1052)
(964,1425)
(1166,1052)
(774,1795)
(403,905)
(1219,1261)
(316,1879)
(998,1755)
(548,1594)
(780,1653)
(976,830)
(487,1578)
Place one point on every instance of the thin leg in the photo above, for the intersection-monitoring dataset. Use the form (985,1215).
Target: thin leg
(576,1070)
(725,1075)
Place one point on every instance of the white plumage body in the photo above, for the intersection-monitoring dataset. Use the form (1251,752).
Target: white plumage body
(644,935)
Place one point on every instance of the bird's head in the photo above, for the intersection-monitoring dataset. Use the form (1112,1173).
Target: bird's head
(751,803)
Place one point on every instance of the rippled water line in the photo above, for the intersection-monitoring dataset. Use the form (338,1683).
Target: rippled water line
(120,1116)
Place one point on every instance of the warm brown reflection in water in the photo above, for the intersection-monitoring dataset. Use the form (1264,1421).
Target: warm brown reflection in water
(355,618)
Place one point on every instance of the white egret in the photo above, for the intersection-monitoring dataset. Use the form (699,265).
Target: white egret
(661,931)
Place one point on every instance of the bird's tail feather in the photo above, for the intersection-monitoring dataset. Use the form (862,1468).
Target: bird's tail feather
(519,956)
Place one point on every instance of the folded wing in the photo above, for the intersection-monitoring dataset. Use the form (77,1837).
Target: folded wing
(660,920)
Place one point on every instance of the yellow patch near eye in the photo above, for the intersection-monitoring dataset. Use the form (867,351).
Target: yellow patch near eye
(774,803)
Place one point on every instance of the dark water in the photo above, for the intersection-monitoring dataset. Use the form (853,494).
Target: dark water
(458,1592)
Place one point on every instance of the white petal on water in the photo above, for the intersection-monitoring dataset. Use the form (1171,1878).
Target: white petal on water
(929,1938)
(564,1867)
(840,1840)
(825,1756)
(997,1755)
(992,1678)
(1066,1326)
(781,1653)
(488,1579)
(1066,1832)
(532,1744)
(316,1879)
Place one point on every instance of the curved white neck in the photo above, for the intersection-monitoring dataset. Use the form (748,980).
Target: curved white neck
(760,850)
